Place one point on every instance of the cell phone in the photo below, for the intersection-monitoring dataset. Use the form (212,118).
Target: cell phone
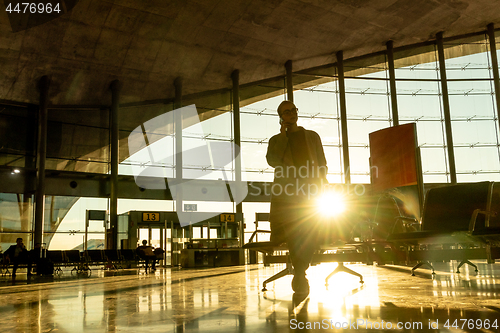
(281,120)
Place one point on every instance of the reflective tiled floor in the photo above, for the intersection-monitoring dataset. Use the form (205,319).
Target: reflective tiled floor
(230,299)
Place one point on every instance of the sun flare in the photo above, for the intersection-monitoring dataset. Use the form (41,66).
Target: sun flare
(331,204)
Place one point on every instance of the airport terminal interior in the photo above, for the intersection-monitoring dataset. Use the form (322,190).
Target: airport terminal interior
(143,120)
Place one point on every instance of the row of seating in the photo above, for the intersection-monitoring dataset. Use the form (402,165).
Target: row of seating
(82,260)
(459,222)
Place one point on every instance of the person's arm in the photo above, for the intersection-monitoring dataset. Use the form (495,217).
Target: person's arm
(9,253)
(6,253)
(276,150)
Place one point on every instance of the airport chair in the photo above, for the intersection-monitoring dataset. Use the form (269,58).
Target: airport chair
(113,259)
(453,216)
(128,257)
(75,258)
(58,258)
(95,257)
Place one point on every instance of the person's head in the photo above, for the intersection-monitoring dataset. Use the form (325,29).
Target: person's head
(144,242)
(19,241)
(288,112)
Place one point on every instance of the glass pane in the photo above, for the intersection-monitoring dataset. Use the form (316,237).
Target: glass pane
(263,90)
(259,122)
(79,140)
(122,231)
(471,99)
(429,133)
(200,138)
(434,164)
(15,160)
(367,98)
(143,235)
(56,209)
(474,133)
(18,128)
(359,131)
(148,140)
(467,58)
(477,160)
(70,232)
(419,107)
(16,212)
(334,164)
(254,158)
(359,159)
(319,100)
(365,66)
(155,238)
(249,211)
(416,63)
(210,104)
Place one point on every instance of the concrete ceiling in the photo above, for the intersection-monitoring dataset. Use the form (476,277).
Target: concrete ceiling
(148,43)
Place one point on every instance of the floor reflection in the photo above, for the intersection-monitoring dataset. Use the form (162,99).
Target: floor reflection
(230,300)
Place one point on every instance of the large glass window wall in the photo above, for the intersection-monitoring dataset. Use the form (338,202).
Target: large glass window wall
(420,101)
(472,108)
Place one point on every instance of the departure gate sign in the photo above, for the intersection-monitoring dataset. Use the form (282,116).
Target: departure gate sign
(227,217)
(151,217)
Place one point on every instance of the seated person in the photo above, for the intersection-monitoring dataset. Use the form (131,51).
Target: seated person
(159,253)
(18,255)
(146,252)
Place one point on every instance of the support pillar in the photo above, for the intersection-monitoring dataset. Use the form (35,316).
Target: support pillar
(178,142)
(446,108)
(113,200)
(343,117)
(289,81)
(392,83)
(235,76)
(41,155)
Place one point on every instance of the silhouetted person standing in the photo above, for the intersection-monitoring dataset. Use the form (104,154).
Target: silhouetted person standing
(299,173)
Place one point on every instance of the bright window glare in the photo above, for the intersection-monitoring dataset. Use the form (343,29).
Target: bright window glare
(331,204)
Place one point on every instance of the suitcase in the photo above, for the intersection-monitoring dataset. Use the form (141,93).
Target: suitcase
(45,267)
